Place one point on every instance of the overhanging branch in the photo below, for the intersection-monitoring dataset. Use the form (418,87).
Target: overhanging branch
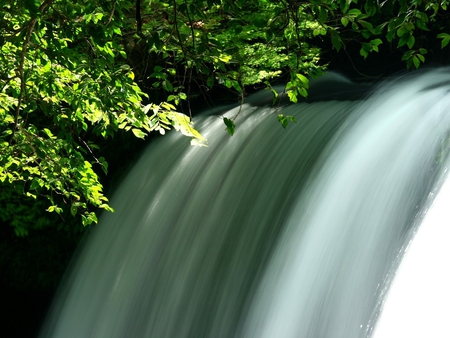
(19,71)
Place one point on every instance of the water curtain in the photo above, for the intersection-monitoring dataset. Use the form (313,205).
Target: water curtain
(272,232)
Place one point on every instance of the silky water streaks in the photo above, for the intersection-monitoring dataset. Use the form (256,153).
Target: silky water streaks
(271,232)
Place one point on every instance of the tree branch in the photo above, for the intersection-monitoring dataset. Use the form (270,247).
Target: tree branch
(19,71)
(112,13)
(138,17)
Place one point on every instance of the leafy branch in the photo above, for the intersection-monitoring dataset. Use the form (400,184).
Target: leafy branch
(19,71)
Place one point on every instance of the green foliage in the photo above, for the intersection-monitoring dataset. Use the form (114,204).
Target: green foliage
(285,119)
(230,125)
(373,23)
(414,57)
(65,82)
(298,85)
(445,39)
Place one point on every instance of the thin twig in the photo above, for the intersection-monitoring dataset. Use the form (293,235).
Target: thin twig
(191,24)
(90,150)
(112,13)
(177,31)
(242,97)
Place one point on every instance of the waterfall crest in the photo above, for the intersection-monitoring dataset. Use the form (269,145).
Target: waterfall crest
(269,233)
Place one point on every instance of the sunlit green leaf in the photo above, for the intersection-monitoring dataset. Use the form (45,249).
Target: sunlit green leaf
(138,133)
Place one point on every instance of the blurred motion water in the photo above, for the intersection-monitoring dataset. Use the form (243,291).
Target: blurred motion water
(271,232)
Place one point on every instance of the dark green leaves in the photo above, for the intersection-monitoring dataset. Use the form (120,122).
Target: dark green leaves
(369,47)
(414,57)
(445,39)
(298,85)
(230,125)
(336,40)
(285,119)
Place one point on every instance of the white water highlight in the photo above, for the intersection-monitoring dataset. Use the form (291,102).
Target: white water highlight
(418,302)
(271,232)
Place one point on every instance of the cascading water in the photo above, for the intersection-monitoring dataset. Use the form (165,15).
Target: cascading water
(271,232)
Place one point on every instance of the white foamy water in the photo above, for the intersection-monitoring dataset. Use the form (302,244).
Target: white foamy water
(418,302)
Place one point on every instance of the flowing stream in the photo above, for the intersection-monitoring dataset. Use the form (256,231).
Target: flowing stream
(271,232)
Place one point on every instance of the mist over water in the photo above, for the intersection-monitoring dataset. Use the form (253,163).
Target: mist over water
(271,232)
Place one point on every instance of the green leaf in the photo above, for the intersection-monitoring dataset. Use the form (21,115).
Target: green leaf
(238,29)
(344,21)
(411,42)
(303,79)
(303,92)
(421,16)
(260,22)
(344,5)
(366,25)
(28,194)
(336,40)
(422,25)
(354,12)
(285,119)
(445,39)
(292,94)
(375,43)
(421,57)
(167,85)
(138,133)
(225,58)
(403,40)
(103,164)
(390,31)
(366,34)
(47,67)
(404,29)
(231,127)
(407,55)
(416,61)
(323,14)
(210,82)
(364,53)
(370,8)
(73,210)
(48,133)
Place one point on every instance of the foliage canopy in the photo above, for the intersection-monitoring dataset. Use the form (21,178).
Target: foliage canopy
(73,74)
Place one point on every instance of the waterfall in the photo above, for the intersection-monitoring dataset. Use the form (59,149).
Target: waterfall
(271,232)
